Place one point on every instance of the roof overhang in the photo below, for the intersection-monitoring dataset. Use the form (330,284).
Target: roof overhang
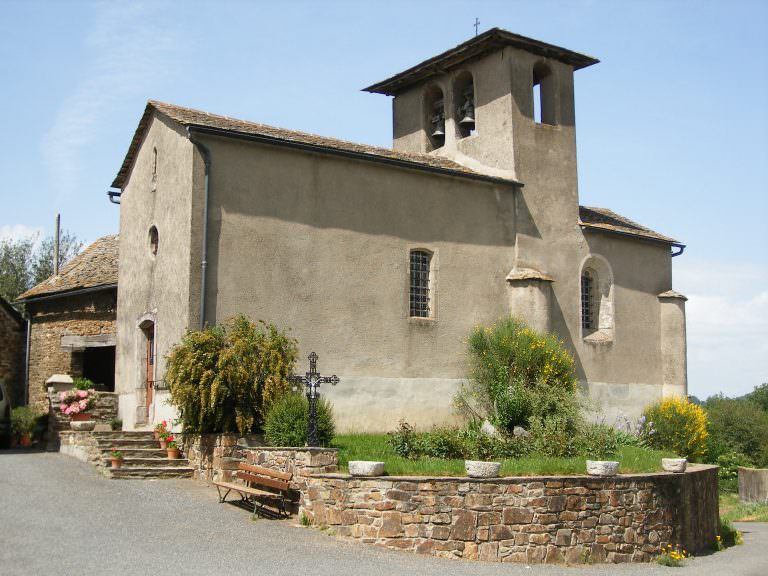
(489,41)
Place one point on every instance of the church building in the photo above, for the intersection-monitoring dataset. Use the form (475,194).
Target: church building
(382,260)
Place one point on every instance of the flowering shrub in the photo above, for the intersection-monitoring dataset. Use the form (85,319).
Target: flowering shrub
(76,401)
(672,556)
(171,442)
(517,374)
(628,434)
(680,426)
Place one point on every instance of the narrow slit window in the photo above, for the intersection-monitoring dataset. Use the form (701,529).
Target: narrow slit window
(419,293)
(587,301)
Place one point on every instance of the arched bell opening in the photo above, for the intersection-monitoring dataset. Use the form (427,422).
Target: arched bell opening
(434,115)
(464,99)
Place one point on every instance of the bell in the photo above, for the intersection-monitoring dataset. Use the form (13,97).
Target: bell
(439,132)
(468,121)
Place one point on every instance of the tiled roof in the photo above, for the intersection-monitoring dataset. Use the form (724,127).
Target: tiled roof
(11,311)
(609,221)
(488,41)
(197,118)
(94,266)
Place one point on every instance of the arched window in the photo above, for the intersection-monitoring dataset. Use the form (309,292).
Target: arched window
(419,297)
(434,113)
(596,300)
(464,104)
(588,302)
(543,94)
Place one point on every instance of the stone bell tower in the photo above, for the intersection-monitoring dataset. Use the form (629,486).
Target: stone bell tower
(503,105)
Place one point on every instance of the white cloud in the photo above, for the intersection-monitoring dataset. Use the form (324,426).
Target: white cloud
(19,231)
(727,313)
(132,47)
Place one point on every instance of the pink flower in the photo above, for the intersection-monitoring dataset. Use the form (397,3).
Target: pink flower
(82,394)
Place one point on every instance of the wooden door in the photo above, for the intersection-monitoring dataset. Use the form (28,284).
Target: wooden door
(150,333)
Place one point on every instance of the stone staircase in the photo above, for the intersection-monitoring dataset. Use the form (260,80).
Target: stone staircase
(143,457)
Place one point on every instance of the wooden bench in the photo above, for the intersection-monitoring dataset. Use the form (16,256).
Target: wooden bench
(258,484)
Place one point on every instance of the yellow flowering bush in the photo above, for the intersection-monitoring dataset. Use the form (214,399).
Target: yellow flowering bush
(517,374)
(678,425)
(225,378)
(672,556)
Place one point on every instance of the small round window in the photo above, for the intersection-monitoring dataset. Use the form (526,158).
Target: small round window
(153,240)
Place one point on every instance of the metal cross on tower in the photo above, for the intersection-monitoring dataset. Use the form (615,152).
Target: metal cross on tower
(312,381)
(477,24)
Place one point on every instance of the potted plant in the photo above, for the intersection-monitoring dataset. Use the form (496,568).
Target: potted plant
(173,448)
(76,403)
(117,458)
(160,429)
(163,439)
(22,424)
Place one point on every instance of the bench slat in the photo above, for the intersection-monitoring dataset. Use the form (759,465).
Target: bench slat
(264,471)
(263,481)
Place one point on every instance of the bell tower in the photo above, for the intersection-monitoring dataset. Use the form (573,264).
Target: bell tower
(500,104)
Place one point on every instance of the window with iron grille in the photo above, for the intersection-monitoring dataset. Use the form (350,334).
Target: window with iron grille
(587,301)
(419,293)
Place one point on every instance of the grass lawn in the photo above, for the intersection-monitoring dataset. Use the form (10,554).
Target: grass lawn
(735,511)
(375,447)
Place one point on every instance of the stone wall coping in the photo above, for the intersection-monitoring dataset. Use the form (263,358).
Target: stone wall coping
(693,468)
(284,448)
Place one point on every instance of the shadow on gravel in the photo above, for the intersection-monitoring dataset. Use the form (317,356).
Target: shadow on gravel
(23,451)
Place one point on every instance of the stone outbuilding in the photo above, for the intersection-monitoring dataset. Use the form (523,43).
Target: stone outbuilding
(73,321)
(12,344)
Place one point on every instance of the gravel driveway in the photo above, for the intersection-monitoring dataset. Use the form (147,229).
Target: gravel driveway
(58,516)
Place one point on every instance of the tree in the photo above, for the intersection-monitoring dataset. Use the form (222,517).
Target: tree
(760,396)
(25,263)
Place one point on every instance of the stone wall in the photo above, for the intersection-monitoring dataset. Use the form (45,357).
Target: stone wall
(85,315)
(103,412)
(211,455)
(12,348)
(753,485)
(572,519)
(83,446)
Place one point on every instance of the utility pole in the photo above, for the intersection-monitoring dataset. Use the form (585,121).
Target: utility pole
(56,239)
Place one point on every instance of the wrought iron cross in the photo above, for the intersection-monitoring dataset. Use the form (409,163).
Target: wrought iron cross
(477,23)
(312,381)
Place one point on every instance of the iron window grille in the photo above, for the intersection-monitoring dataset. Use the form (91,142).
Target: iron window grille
(419,293)
(587,301)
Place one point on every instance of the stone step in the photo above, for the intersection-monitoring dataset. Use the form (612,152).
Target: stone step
(163,462)
(132,452)
(123,433)
(109,443)
(144,473)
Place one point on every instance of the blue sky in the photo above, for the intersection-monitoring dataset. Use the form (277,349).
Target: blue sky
(672,125)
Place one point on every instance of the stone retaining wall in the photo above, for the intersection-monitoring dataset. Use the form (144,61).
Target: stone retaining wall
(573,519)
(103,412)
(81,445)
(211,455)
(753,485)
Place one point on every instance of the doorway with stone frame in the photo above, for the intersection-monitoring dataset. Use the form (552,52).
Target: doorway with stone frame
(145,387)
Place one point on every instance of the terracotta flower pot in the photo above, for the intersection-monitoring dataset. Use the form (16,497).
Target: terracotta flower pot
(173,453)
(163,444)
(25,440)
(80,417)
(117,462)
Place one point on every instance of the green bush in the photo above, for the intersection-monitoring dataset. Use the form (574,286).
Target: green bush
(729,536)
(737,425)
(728,474)
(287,418)
(517,374)
(597,441)
(448,443)
(23,420)
(83,384)
(676,424)
(224,378)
